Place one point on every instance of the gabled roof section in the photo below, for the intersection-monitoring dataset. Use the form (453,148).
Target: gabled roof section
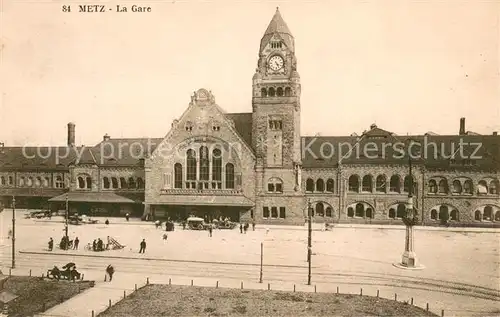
(124,151)
(39,158)
(376,132)
(242,125)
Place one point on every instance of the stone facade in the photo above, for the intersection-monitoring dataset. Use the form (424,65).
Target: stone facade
(257,166)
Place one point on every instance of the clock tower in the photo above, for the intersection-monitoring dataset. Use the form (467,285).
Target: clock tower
(276,104)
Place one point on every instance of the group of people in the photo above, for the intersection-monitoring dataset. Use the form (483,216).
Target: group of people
(244,227)
(98,245)
(65,243)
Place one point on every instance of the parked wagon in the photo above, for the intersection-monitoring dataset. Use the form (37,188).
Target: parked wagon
(195,223)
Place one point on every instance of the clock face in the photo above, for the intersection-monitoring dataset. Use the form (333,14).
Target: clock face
(276,62)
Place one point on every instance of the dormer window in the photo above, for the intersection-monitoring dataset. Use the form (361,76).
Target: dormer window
(215,126)
(275,124)
(189,126)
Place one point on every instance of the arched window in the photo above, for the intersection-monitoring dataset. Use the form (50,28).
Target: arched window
(38,182)
(468,187)
(320,185)
(123,183)
(392,213)
(394,185)
(271,92)
(11,180)
(204,164)
(89,182)
(131,183)
(217,169)
(482,187)
(29,182)
(114,182)
(288,92)
(275,185)
(191,169)
(140,183)
(320,210)
(443,213)
(350,212)
(432,186)
(401,211)
(488,213)
(329,212)
(360,210)
(279,92)
(81,183)
(263,92)
(434,214)
(457,186)
(369,213)
(230,176)
(105,183)
(309,185)
(477,215)
(46,182)
(454,215)
(407,183)
(367,183)
(60,182)
(2,181)
(354,183)
(380,184)
(178,175)
(494,187)
(497,215)
(329,185)
(443,186)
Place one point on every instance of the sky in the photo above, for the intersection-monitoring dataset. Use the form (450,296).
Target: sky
(408,66)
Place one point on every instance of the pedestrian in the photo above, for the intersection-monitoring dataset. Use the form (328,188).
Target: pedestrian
(75,243)
(245,228)
(107,222)
(241,228)
(51,244)
(143,246)
(253,225)
(127,216)
(110,270)
(94,245)
(100,245)
(210,230)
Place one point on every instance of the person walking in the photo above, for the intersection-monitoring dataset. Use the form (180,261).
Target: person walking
(94,245)
(51,244)
(241,228)
(127,216)
(210,230)
(110,270)
(143,246)
(75,243)
(253,224)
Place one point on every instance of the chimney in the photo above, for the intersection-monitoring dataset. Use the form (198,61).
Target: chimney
(462,126)
(71,134)
(494,133)
(106,137)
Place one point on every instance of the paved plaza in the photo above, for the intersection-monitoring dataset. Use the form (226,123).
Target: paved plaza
(461,274)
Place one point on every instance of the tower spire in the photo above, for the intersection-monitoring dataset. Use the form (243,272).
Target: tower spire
(278,26)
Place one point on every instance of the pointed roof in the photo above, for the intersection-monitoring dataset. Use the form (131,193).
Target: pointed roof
(277,25)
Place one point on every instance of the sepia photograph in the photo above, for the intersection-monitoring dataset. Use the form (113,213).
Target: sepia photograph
(249,158)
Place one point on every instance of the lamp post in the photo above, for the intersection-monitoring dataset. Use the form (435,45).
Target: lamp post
(66,222)
(409,258)
(309,240)
(13,232)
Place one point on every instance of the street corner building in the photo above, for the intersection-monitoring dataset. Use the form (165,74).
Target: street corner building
(256,166)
